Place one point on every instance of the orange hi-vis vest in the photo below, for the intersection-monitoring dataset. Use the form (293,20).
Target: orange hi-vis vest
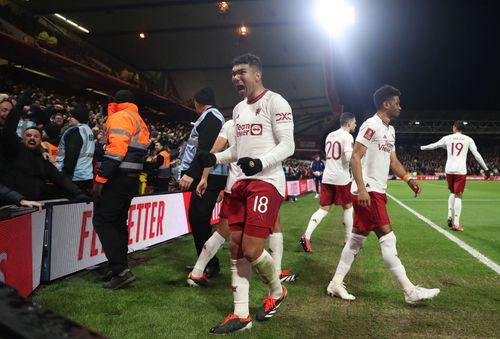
(51,149)
(127,138)
(164,170)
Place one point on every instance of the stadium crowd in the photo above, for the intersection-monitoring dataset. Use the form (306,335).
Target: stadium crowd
(297,169)
(49,112)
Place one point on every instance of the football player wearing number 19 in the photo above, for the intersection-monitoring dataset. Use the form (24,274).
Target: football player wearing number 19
(457,146)
(263,124)
(336,182)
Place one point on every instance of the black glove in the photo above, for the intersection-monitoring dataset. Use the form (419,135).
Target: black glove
(250,166)
(205,159)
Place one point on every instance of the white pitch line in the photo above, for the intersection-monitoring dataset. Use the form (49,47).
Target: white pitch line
(482,258)
(445,200)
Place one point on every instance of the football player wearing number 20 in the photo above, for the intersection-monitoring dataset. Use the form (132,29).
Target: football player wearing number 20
(457,146)
(336,182)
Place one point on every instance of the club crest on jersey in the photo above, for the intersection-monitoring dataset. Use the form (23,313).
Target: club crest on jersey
(258,111)
(284,116)
(369,134)
(256,129)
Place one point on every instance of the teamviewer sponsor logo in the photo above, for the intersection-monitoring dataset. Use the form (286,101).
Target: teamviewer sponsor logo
(256,129)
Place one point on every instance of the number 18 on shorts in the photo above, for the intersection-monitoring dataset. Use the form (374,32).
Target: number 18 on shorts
(253,207)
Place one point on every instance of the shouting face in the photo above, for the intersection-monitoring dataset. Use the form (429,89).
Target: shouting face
(246,79)
(32,138)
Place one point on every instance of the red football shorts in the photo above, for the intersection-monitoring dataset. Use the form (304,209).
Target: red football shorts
(456,182)
(368,219)
(254,206)
(224,209)
(335,194)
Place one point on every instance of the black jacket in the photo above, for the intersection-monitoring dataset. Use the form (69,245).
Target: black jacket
(8,196)
(24,170)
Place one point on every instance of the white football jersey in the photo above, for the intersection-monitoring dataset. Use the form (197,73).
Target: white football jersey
(228,132)
(380,140)
(264,130)
(457,146)
(338,150)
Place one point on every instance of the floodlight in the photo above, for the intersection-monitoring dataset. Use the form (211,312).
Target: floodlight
(335,15)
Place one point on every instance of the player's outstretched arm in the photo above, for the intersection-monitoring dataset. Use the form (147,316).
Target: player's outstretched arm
(440,144)
(357,173)
(399,170)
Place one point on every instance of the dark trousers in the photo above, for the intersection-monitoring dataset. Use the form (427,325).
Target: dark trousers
(162,184)
(200,213)
(85,186)
(110,218)
(317,181)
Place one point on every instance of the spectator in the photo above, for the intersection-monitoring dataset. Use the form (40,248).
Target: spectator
(8,196)
(23,167)
(161,162)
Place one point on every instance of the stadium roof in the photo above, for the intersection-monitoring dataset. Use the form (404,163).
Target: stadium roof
(195,44)
(433,51)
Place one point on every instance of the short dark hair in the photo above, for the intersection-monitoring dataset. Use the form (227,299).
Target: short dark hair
(250,59)
(459,125)
(345,118)
(383,94)
(124,95)
(33,127)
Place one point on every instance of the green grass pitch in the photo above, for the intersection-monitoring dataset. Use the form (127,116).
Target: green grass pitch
(160,305)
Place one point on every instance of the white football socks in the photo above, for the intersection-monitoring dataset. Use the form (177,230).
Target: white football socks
(210,248)
(348,221)
(391,259)
(458,210)
(451,205)
(349,252)
(264,266)
(241,272)
(314,221)
(276,249)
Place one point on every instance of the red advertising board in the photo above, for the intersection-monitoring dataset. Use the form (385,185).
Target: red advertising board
(21,244)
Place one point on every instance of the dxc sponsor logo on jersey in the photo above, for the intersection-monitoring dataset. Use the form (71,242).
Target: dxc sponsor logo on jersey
(284,116)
